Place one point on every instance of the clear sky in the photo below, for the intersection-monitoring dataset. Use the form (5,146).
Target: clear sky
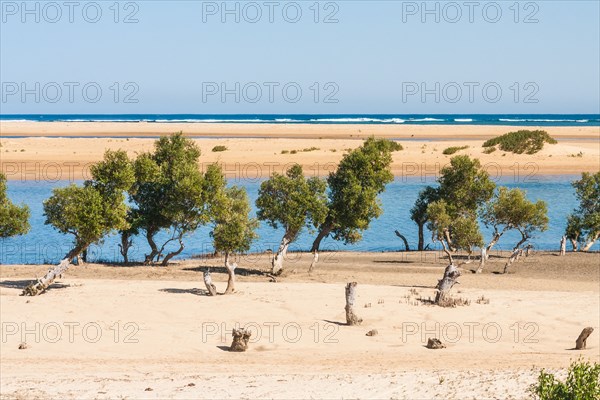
(358,57)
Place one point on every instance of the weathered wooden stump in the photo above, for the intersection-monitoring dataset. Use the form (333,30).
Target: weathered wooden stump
(580,343)
(563,245)
(210,287)
(433,343)
(351,317)
(451,274)
(240,339)
(44,282)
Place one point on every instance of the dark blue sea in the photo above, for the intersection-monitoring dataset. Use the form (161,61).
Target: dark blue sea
(44,244)
(409,119)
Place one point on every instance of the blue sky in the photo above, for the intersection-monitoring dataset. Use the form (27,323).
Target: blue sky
(379,57)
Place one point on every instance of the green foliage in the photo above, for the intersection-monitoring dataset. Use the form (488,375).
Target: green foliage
(523,141)
(233,230)
(510,209)
(292,201)
(464,185)
(419,211)
(14,220)
(454,149)
(463,229)
(219,148)
(355,186)
(584,222)
(92,211)
(489,150)
(582,383)
(170,192)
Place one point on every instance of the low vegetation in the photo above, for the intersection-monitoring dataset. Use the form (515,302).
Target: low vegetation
(454,149)
(14,220)
(582,383)
(219,148)
(523,141)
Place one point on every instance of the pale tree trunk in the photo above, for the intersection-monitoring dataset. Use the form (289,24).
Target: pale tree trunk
(277,263)
(448,239)
(153,247)
(590,243)
(451,274)
(447,251)
(482,260)
(493,242)
(210,287)
(231,275)
(43,283)
(523,240)
(563,246)
(574,244)
(323,233)
(513,258)
(401,236)
(351,317)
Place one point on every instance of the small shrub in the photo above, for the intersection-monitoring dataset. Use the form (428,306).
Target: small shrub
(219,148)
(311,149)
(482,300)
(395,146)
(489,150)
(582,383)
(524,141)
(293,151)
(285,151)
(454,149)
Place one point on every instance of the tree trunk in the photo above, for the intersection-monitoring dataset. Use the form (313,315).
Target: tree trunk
(323,233)
(421,237)
(241,337)
(125,245)
(580,343)
(351,317)
(447,251)
(212,290)
(574,244)
(492,243)
(590,243)
(451,274)
(43,283)
(153,247)
(277,264)
(523,240)
(172,254)
(482,260)
(514,257)
(231,272)
(406,247)
(563,245)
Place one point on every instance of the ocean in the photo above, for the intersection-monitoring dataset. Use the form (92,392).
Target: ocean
(408,119)
(43,244)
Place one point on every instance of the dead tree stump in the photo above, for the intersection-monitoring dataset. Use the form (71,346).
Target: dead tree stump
(580,343)
(240,339)
(451,274)
(563,245)
(210,287)
(351,317)
(44,282)
(433,343)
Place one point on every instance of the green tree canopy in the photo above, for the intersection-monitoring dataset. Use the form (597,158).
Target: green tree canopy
(14,220)
(292,202)
(419,211)
(584,222)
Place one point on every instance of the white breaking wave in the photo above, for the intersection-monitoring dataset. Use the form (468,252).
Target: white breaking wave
(463,120)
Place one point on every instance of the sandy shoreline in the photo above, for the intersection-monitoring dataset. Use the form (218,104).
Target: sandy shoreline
(171,337)
(255,150)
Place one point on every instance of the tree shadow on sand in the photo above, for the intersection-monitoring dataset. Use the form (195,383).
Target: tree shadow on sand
(194,291)
(24,283)
(222,270)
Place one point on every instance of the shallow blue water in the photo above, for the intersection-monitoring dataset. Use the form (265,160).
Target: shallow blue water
(44,244)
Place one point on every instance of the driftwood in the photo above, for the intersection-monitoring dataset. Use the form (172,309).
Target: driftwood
(210,287)
(240,340)
(43,283)
(433,343)
(563,245)
(451,274)
(351,317)
(401,236)
(580,343)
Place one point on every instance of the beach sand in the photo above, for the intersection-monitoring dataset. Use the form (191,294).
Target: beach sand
(150,332)
(65,151)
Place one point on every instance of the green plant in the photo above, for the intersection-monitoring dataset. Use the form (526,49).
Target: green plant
(582,383)
(523,141)
(285,151)
(219,148)
(489,150)
(453,149)
(310,149)
(294,152)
